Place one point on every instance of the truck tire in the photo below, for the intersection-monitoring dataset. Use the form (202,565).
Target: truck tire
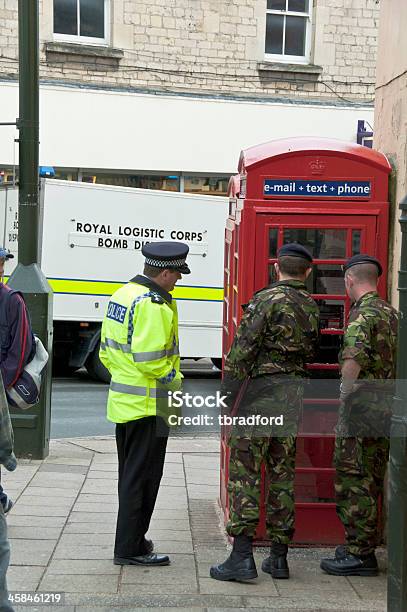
(217,362)
(95,367)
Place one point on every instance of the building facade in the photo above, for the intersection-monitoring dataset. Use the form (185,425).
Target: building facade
(165,93)
(391,115)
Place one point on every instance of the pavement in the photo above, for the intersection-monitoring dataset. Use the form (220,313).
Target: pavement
(61,531)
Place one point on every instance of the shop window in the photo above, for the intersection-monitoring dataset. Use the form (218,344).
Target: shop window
(164,183)
(206,185)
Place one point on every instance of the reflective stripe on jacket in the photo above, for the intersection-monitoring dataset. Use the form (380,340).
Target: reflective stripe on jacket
(139,347)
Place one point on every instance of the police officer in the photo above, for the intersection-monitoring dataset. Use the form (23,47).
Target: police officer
(139,346)
(277,335)
(368,360)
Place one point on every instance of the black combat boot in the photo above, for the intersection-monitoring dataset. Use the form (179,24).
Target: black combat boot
(346,564)
(240,564)
(276,564)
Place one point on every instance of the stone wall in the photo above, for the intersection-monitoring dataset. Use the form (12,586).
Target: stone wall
(209,46)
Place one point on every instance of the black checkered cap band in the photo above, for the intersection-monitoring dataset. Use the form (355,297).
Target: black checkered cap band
(168,263)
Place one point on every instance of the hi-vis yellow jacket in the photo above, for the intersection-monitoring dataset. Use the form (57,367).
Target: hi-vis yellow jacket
(139,347)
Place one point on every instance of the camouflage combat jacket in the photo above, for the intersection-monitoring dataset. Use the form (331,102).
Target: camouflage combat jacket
(371,337)
(278,333)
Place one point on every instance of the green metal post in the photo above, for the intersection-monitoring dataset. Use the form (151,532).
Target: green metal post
(397,540)
(31,429)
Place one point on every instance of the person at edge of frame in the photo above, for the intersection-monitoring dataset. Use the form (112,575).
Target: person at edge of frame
(277,335)
(16,340)
(140,348)
(368,371)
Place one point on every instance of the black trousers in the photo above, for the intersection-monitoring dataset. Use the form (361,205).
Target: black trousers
(141,447)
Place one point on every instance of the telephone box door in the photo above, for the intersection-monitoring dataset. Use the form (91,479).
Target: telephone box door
(331,239)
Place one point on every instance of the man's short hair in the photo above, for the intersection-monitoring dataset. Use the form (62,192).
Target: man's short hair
(152,271)
(364,273)
(293,266)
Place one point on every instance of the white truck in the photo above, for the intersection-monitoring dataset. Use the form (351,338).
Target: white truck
(90,244)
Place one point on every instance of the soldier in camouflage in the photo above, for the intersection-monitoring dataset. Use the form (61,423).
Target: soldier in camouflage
(368,369)
(277,335)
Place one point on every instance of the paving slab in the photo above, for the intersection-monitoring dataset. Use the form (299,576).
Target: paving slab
(93,507)
(24,578)
(168,547)
(161,600)
(14,519)
(104,474)
(202,491)
(174,535)
(26,509)
(69,460)
(48,492)
(85,567)
(31,552)
(98,466)
(260,586)
(83,552)
(85,539)
(96,485)
(98,515)
(312,603)
(39,533)
(49,608)
(34,501)
(65,468)
(98,498)
(80,583)
(182,570)
(178,588)
(95,528)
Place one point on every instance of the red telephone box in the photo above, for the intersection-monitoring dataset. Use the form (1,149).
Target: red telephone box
(332,197)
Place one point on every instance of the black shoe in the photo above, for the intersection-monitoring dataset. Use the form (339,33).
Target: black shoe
(239,565)
(276,564)
(145,560)
(148,546)
(351,565)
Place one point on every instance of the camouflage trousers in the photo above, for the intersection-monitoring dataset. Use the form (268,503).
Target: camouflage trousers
(246,458)
(360,469)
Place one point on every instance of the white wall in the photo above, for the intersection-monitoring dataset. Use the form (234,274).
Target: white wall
(103,129)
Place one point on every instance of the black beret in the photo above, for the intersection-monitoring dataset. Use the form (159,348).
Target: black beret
(356,260)
(167,255)
(293,249)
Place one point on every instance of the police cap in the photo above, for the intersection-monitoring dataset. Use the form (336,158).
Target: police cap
(357,260)
(293,249)
(167,255)
(5,254)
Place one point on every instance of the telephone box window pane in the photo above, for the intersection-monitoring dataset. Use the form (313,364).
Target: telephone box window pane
(272,274)
(65,17)
(326,279)
(298,6)
(322,243)
(295,36)
(274,34)
(276,5)
(92,18)
(235,304)
(332,314)
(356,236)
(273,237)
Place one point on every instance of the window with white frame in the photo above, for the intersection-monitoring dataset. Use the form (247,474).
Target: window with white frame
(288,30)
(83,21)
